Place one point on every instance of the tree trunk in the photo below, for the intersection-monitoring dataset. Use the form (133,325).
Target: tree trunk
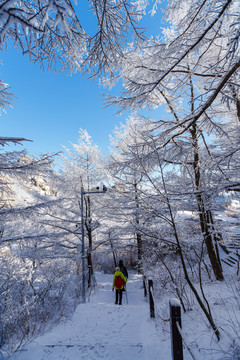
(190,283)
(89,232)
(113,251)
(205,226)
(236,97)
(139,247)
(139,237)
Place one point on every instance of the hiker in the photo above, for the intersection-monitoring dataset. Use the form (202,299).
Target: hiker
(123,269)
(118,283)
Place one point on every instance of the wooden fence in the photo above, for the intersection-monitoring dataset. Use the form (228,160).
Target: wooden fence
(175,318)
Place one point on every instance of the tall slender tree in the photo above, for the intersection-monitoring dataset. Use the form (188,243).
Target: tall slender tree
(83,170)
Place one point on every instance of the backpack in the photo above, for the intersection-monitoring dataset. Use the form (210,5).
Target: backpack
(124,271)
(119,282)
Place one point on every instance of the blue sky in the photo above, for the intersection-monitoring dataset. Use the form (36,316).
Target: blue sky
(50,108)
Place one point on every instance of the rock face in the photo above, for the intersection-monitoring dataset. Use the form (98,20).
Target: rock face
(17,190)
(41,184)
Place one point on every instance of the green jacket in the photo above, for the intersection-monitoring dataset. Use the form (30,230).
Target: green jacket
(118,273)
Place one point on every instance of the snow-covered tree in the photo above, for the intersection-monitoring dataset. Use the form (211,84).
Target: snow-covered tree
(30,250)
(191,70)
(83,170)
(52,32)
(125,170)
(163,193)
(202,39)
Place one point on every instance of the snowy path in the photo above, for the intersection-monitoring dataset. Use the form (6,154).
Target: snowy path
(100,329)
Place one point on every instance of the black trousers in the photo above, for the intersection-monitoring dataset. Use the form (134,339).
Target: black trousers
(119,295)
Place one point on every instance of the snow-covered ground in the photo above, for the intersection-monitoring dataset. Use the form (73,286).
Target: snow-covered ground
(100,329)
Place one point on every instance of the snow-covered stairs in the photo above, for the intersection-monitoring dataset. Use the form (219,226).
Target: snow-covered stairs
(100,329)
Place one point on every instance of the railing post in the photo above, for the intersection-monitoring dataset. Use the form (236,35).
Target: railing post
(175,321)
(144,286)
(151,302)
